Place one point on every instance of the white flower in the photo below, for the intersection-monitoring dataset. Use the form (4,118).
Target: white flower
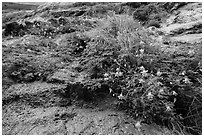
(183,73)
(191,52)
(159,73)
(121,96)
(187,80)
(106,75)
(110,90)
(174,100)
(168,108)
(142,68)
(144,73)
(150,96)
(118,69)
(118,74)
(141,42)
(106,79)
(81,47)
(161,90)
(159,84)
(29,50)
(141,51)
(141,81)
(174,93)
(138,125)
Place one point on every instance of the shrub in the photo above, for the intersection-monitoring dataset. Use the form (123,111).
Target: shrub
(142,77)
(29,69)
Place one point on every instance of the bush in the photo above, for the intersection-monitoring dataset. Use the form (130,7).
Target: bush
(29,68)
(144,78)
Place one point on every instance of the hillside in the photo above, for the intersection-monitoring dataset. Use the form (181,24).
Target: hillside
(102,68)
(18,6)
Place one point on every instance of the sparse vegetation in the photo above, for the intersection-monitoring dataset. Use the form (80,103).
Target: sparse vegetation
(110,49)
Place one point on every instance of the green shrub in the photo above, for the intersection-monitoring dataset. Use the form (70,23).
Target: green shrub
(142,76)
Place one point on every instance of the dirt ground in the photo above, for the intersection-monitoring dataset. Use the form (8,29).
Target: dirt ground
(40,109)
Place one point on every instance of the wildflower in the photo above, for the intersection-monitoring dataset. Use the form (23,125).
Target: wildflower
(118,74)
(106,79)
(106,75)
(144,73)
(141,68)
(159,84)
(174,100)
(187,80)
(29,50)
(159,73)
(138,125)
(160,96)
(199,63)
(161,90)
(183,73)
(150,96)
(168,108)
(191,52)
(174,93)
(141,81)
(81,47)
(121,96)
(141,42)
(118,69)
(110,90)
(141,51)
